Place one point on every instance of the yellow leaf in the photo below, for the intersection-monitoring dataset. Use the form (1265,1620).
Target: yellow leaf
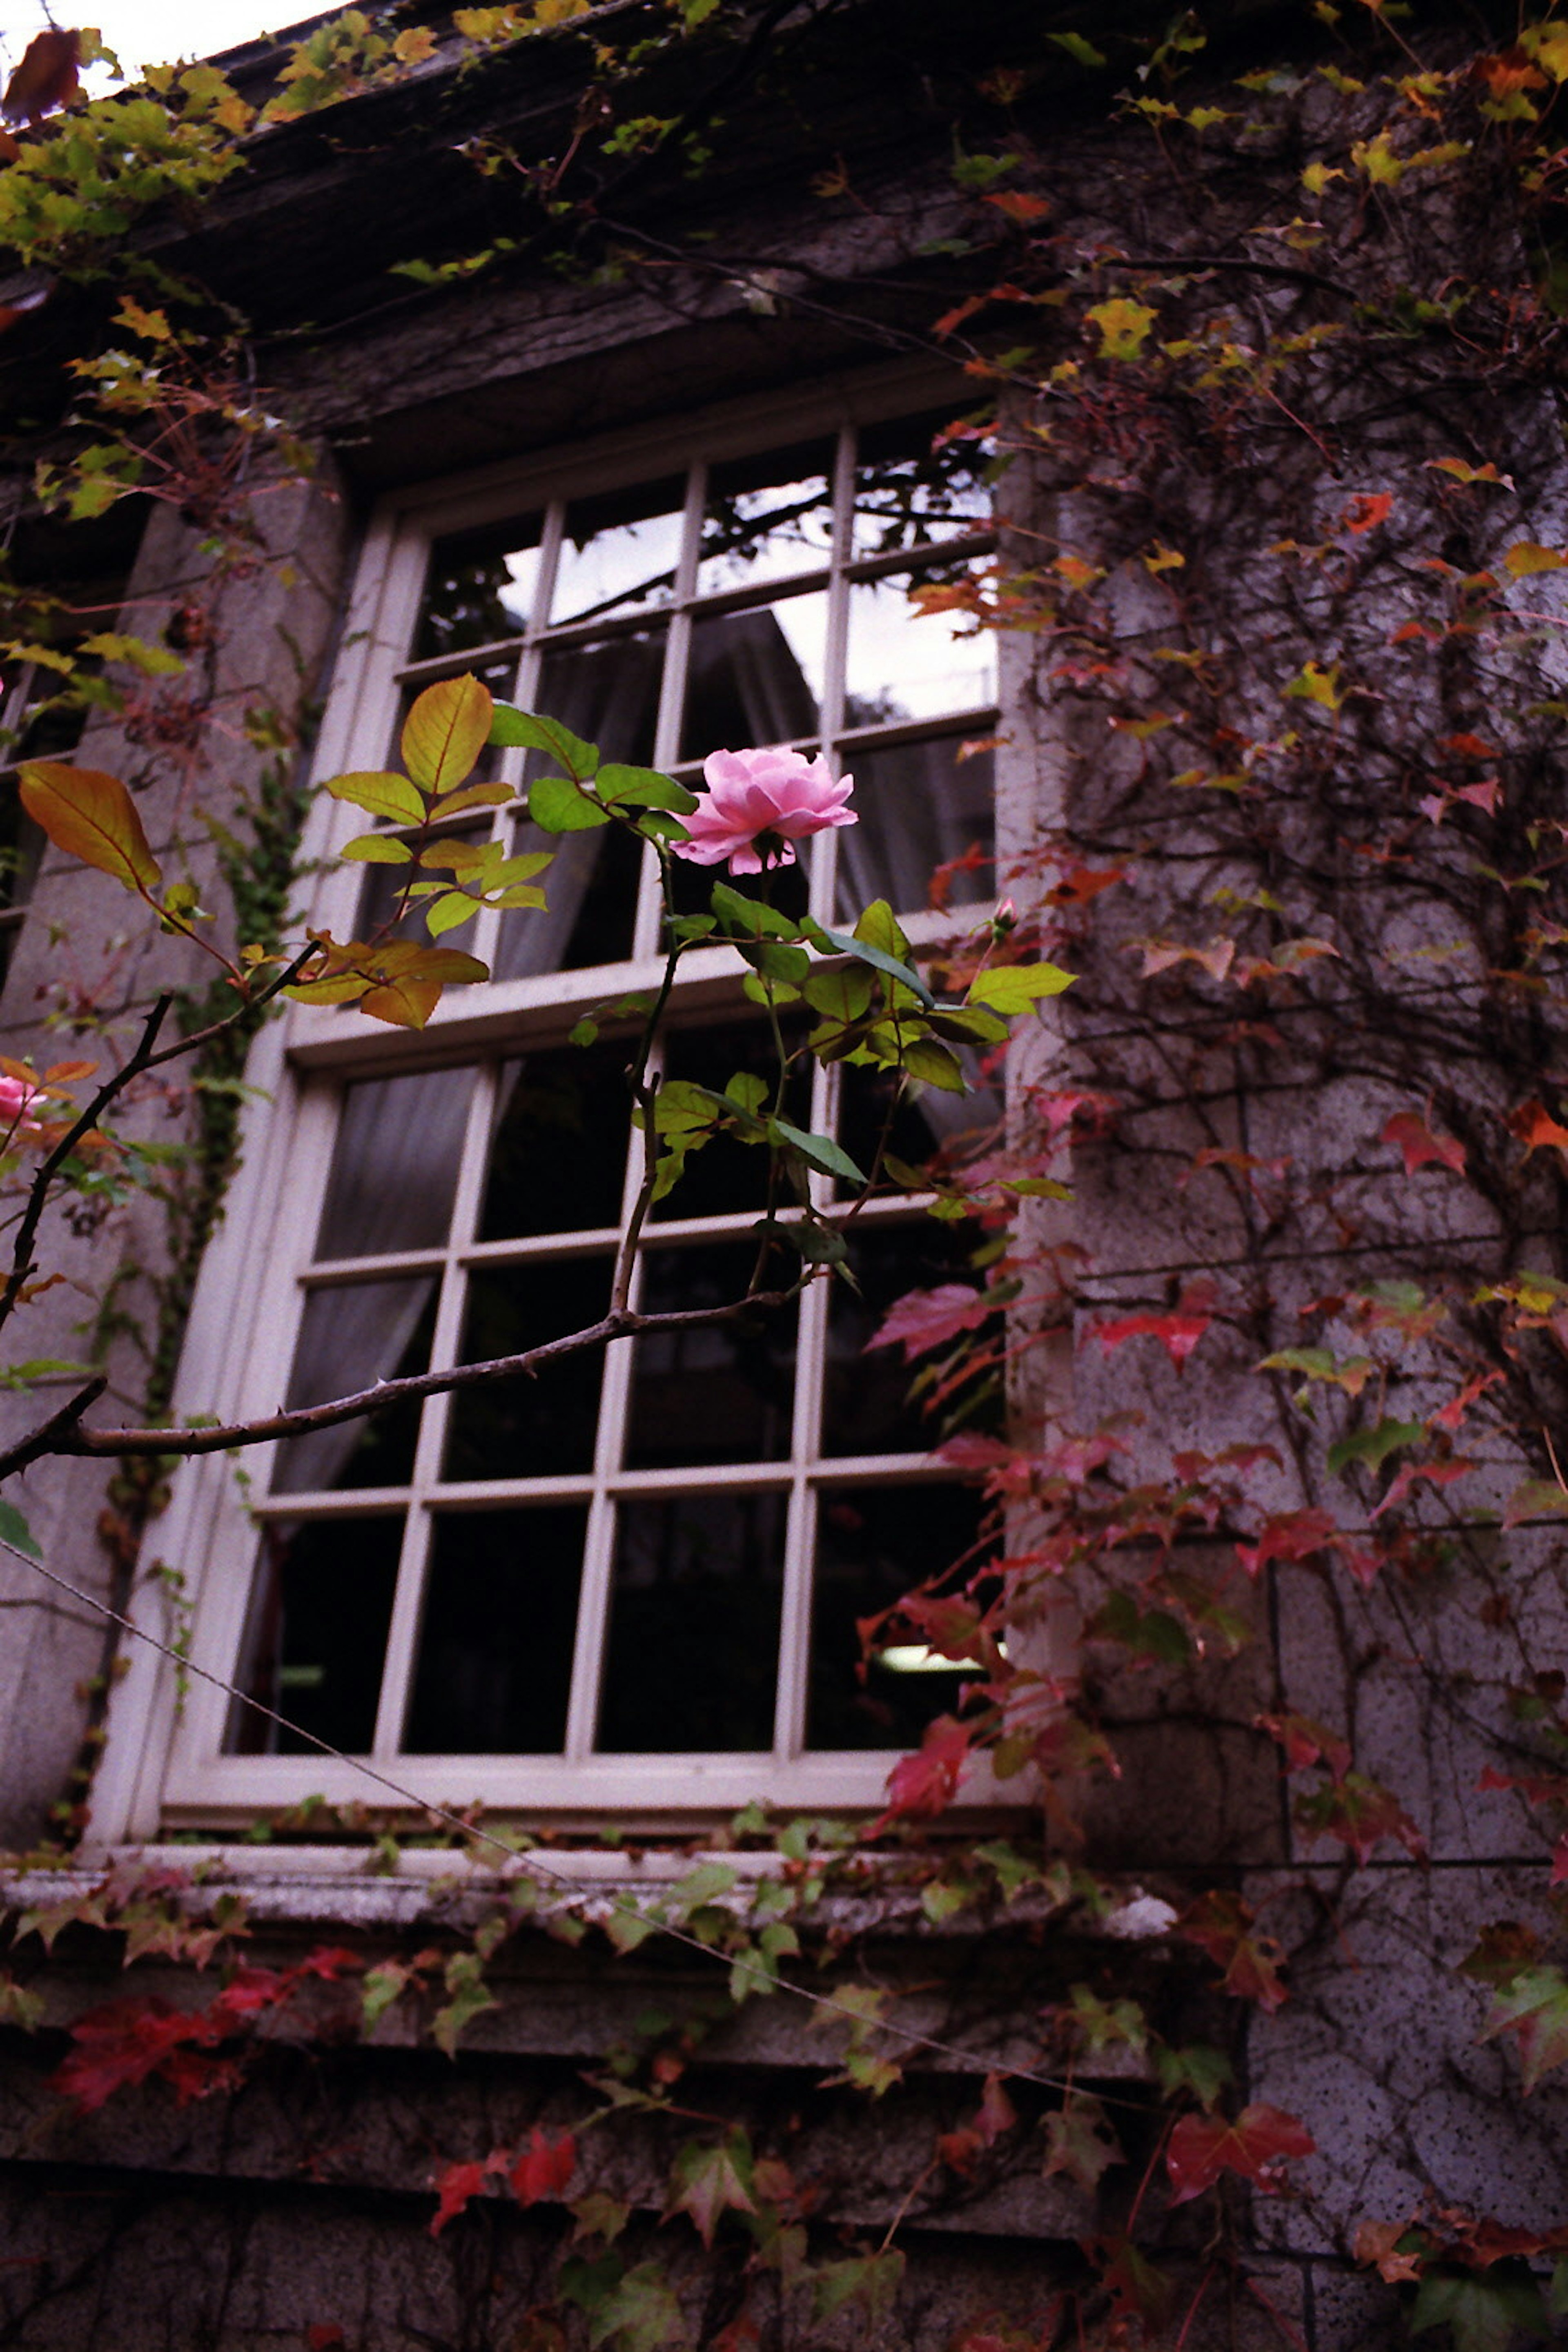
(1552,51)
(90,816)
(1316,684)
(445,732)
(1162,558)
(406,1004)
(1529,557)
(1377,159)
(151,325)
(412,48)
(1123,327)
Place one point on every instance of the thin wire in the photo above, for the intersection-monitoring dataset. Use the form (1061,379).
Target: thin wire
(531,1864)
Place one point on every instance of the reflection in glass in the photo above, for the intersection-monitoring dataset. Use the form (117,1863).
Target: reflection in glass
(350,1337)
(874,1544)
(906,491)
(537,1427)
(755,678)
(317,1635)
(494,1670)
(396,1165)
(906,664)
(560,1144)
(481,587)
(620,551)
(878,1110)
(591,904)
(920,807)
(865,1407)
(766,518)
(725,1174)
(692,1655)
(722,1392)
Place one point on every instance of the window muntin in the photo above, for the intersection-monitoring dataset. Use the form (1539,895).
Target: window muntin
(577,1583)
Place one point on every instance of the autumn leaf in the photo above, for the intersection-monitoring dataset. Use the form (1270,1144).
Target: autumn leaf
(47,77)
(91,816)
(1536,1129)
(541,2172)
(1177,1333)
(1222,1924)
(1260,2142)
(445,732)
(455,2187)
(1360,1812)
(924,1319)
(1529,557)
(1080,2140)
(920,1786)
(1123,327)
(1418,1145)
(1533,2008)
(707,2182)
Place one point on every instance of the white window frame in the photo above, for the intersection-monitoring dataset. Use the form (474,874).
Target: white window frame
(165,1768)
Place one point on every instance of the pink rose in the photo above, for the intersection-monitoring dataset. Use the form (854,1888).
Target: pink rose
(758,804)
(16,1099)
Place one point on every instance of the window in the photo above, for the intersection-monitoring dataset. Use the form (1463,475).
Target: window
(635,1583)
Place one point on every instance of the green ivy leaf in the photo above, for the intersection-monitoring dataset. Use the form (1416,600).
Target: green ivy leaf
(1373,1446)
(15,1530)
(1482,2311)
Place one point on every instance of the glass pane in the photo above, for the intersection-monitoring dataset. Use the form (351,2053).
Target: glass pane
(348,1337)
(922,813)
(692,1658)
(908,1122)
(591,904)
(494,1670)
(873,1545)
(608,693)
(755,678)
(383,887)
(722,1392)
(619,551)
(559,1147)
(480,588)
(766,517)
(906,664)
(906,491)
(396,1166)
(539,1427)
(864,1405)
(724,1174)
(317,1636)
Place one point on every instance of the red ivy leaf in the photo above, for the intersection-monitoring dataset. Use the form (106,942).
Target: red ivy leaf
(923,1319)
(1221,1925)
(1419,1146)
(1534,2009)
(543,2168)
(1290,1536)
(1363,513)
(1360,1812)
(1535,1127)
(1307,1742)
(455,2187)
(922,1785)
(1257,2145)
(1178,1334)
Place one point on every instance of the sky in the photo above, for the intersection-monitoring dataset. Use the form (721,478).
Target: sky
(150,32)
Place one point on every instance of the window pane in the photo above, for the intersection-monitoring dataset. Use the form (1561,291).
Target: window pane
(480,588)
(767,517)
(906,491)
(396,1165)
(783,887)
(539,1427)
(722,1392)
(348,1337)
(906,664)
(591,904)
(864,1407)
(619,551)
(494,1671)
(559,1145)
(910,1122)
(724,1174)
(317,1636)
(874,1544)
(608,693)
(755,678)
(920,807)
(692,1658)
